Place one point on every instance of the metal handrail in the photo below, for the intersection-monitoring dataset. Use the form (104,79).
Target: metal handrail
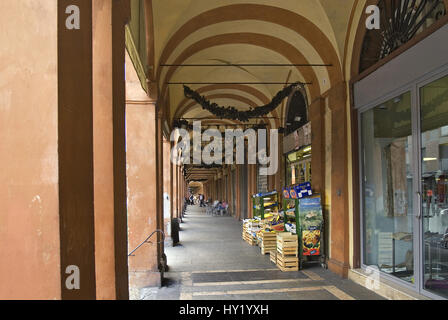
(147,241)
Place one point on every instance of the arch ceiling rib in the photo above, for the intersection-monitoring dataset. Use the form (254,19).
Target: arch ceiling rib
(256,39)
(254,32)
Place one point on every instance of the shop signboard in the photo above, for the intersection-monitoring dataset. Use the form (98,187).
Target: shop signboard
(286,193)
(293,193)
(289,143)
(303,190)
(311,222)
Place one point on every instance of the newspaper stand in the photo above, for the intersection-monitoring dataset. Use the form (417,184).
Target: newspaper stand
(264,203)
(309,223)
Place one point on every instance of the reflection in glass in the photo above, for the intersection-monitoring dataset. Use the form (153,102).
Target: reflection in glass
(434,137)
(298,166)
(387,187)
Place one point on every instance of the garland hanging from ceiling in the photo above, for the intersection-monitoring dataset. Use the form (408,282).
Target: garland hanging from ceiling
(182,123)
(234,114)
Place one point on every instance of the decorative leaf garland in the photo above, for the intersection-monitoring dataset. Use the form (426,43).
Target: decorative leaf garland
(181,123)
(234,114)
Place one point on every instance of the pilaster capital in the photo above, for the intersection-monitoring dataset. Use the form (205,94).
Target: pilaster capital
(316,108)
(142,102)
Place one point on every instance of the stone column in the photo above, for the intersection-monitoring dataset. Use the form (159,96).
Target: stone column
(167,176)
(176,188)
(141,126)
(120,16)
(172,186)
(109,152)
(179,192)
(103,149)
(238,192)
(279,176)
(317,112)
(339,260)
(252,181)
(159,188)
(75,148)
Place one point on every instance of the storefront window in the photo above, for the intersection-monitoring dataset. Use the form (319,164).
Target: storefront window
(387,187)
(298,166)
(262,181)
(434,121)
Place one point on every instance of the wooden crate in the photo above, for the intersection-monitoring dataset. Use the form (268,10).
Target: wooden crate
(287,252)
(273,256)
(286,236)
(246,232)
(268,236)
(267,247)
(287,264)
(268,242)
(265,250)
(287,244)
(251,241)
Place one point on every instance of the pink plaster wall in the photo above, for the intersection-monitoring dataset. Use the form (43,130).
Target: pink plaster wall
(29,213)
(141,181)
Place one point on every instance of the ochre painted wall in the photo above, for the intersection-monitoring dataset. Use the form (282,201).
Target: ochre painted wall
(141,177)
(29,212)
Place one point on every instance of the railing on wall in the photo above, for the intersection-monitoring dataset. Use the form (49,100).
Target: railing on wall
(149,242)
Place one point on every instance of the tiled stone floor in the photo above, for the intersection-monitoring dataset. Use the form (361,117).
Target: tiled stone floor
(214,263)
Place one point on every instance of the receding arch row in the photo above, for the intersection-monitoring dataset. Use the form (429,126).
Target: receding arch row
(182,107)
(239,53)
(234,97)
(268,42)
(276,15)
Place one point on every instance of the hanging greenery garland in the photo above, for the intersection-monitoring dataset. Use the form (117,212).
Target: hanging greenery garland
(234,114)
(181,123)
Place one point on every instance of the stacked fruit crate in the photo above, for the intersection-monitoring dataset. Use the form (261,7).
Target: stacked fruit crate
(245,231)
(273,256)
(268,241)
(287,252)
(249,227)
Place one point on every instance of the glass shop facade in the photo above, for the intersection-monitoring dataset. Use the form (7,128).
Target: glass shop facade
(402,111)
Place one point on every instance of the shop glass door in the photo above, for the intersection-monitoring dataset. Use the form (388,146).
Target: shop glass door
(434,185)
(388,188)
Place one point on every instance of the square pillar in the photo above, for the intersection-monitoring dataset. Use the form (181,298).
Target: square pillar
(167,191)
(317,113)
(141,158)
(109,160)
(160,189)
(339,241)
(142,193)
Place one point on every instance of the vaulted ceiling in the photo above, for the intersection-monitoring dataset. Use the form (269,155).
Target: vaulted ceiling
(244,32)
